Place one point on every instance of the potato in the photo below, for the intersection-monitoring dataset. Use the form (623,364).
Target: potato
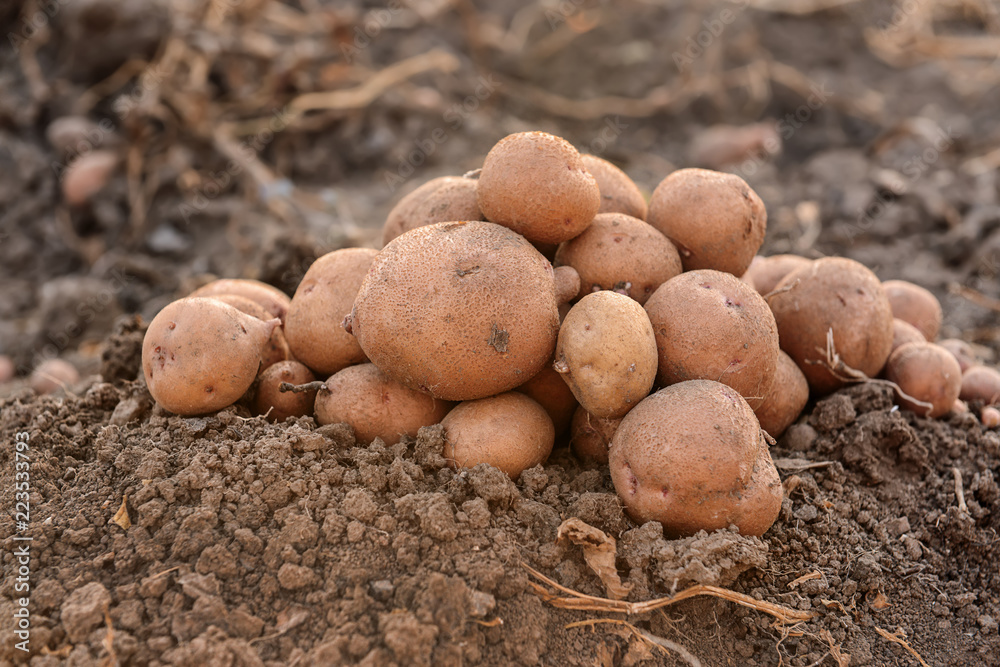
(962,351)
(903,333)
(276,349)
(835,294)
(459,310)
(549,390)
(990,417)
(200,355)
(567,282)
(915,305)
(606,353)
(766,272)
(323,299)
(271,298)
(693,457)
(510,432)
(620,253)
(927,373)
(87,175)
(444,199)
(710,325)
(980,383)
(785,401)
(537,184)
(619,194)
(8,370)
(715,219)
(591,436)
(279,405)
(52,375)
(376,406)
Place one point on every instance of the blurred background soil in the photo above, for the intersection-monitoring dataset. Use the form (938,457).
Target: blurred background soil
(148,145)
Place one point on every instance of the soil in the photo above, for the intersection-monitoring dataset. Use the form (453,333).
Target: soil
(224,539)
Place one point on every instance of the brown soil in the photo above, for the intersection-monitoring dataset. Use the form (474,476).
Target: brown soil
(251,543)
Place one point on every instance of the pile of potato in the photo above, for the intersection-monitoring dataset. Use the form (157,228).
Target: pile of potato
(541,297)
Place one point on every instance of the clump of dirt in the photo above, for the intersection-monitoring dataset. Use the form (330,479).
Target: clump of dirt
(256,543)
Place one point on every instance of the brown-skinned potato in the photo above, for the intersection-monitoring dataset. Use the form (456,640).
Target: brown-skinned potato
(839,295)
(710,325)
(271,298)
(459,310)
(785,401)
(766,272)
(376,406)
(509,431)
(606,353)
(620,253)
(279,405)
(962,351)
(323,299)
(903,333)
(927,373)
(536,184)
(619,194)
(438,200)
(553,394)
(52,375)
(201,355)
(715,219)
(990,417)
(693,457)
(981,383)
(276,349)
(915,305)
(590,436)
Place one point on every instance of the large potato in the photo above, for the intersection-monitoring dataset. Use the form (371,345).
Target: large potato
(693,457)
(201,355)
(619,193)
(715,219)
(607,353)
(536,184)
(786,400)
(313,326)
(835,295)
(915,305)
(441,199)
(620,253)
(459,310)
(510,431)
(927,373)
(710,325)
(272,299)
(376,406)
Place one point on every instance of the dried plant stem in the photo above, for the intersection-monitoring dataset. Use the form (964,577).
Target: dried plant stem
(316,385)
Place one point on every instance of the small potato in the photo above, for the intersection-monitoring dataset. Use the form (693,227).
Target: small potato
(537,184)
(510,432)
(87,175)
(200,355)
(693,457)
(7,369)
(715,219)
(990,417)
(567,282)
(786,400)
(458,310)
(981,383)
(323,299)
(837,295)
(927,373)
(376,406)
(271,298)
(710,325)
(276,348)
(903,333)
(622,254)
(606,353)
(915,305)
(279,405)
(590,436)
(962,351)
(766,272)
(619,194)
(52,375)
(443,199)
(549,390)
